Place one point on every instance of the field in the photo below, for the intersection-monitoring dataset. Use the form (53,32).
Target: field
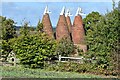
(19,72)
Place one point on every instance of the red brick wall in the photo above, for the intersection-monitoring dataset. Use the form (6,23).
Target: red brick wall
(78,33)
(62,28)
(78,21)
(69,23)
(47,26)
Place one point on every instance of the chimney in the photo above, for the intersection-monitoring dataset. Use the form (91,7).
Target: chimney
(78,33)
(62,27)
(47,26)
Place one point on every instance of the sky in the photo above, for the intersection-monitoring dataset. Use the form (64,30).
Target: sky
(33,11)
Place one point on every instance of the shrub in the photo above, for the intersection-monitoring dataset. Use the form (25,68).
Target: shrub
(5,49)
(65,47)
(33,50)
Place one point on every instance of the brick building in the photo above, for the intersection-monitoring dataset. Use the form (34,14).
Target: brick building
(78,32)
(47,26)
(68,20)
(62,27)
(65,28)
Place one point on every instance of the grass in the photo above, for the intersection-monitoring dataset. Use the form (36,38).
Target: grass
(20,72)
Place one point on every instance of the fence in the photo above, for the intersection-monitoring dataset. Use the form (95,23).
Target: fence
(74,59)
(61,59)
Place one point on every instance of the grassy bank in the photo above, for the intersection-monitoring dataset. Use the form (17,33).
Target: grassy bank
(40,73)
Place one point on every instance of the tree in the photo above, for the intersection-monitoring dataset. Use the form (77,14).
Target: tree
(119,5)
(24,29)
(0,27)
(34,49)
(113,1)
(7,32)
(103,38)
(5,49)
(113,21)
(65,47)
(91,20)
(8,28)
(39,26)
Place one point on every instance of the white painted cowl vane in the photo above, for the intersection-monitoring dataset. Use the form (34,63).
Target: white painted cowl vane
(79,11)
(63,11)
(46,10)
(68,13)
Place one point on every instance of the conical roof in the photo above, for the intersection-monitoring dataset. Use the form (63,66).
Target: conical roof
(62,29)
(78,32)
(47,26)
(68,20)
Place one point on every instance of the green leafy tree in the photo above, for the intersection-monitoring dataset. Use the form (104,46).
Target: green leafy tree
(8,31)
(65,47)
(103,38)
(39,26)
(31,28)
(8,28)
(119,5)
(113,1)
(113,42)
(0,27)
(24,30)
(33,50)
(5,49)
(90,21)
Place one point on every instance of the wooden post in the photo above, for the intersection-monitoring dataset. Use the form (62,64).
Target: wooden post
(59,58)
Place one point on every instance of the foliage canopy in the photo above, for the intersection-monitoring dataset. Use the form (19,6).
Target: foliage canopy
(33,50)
